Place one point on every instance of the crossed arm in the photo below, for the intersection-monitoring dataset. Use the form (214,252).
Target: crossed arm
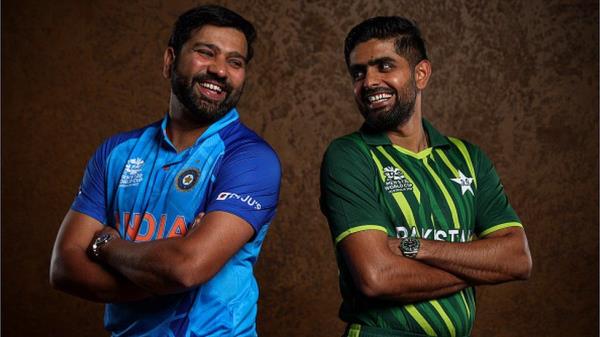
(72,271)
(501,256)
(440,268)
(127,271)
(177,264)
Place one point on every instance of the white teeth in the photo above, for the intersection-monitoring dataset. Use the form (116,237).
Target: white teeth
(378,98)
(211,86)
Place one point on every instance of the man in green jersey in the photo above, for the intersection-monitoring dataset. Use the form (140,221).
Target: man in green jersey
(418,218)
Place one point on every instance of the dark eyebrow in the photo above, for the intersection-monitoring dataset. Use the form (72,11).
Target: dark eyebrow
(381,60)
(208,45)
(356,67)
(373,62)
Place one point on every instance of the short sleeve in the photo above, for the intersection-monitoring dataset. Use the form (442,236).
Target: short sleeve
(247,184)
(349,197)
(494,211)
(91,198)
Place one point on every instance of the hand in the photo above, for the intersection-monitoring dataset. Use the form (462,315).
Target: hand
(106,230)
(197,221)
(394,246)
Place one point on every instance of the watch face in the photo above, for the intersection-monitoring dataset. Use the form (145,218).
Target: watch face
(409,245)
(100,241)
(103,237)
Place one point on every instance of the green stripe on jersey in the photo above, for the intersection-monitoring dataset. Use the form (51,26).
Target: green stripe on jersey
(416,315)
(462,296)
(445,317)
(398,197)
(354,330)
(447,162)
(463,150)
(442,188)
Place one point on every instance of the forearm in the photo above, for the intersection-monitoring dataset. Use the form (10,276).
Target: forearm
(159,267)
(379,273)
(412,281)
(181,263)
(487,261)
(74,273)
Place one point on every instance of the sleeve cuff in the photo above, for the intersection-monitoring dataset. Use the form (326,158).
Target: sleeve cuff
(89,212)
(357,229)
(499,227)
(254,223)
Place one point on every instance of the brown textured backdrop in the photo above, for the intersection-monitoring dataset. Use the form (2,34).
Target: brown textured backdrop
(519,78)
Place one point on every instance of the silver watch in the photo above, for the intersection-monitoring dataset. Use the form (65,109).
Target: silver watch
(100,241)
(409,247)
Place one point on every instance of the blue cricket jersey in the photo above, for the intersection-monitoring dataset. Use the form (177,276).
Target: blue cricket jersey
(137,183)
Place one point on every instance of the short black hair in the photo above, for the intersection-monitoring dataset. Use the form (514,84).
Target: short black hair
(210,15)
(409,43)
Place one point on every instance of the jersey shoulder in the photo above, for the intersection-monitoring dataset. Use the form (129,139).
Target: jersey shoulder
(466,147)
(114,141)
(241,141)
(347,149)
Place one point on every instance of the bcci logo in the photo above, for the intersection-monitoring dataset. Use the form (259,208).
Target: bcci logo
(187,179)
(395,181)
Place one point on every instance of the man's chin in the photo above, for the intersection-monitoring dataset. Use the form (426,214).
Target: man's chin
(206,112)
(206,117)
(384,121)
(373,115)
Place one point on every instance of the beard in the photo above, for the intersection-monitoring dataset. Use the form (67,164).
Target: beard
(379,120)
(202,109)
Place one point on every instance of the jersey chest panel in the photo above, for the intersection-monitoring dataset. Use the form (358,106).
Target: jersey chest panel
(426,196)
(156,193)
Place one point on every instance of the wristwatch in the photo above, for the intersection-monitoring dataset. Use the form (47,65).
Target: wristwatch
(409,247)
(100,241)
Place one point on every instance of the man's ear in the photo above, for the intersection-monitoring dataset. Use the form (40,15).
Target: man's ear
(422,74)
(168,62)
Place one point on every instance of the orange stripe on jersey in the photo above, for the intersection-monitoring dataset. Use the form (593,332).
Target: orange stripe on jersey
(178,228)
(151,221)
(161,226)
(132,228)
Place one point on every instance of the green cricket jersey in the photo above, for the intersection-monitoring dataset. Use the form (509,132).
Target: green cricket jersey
(449,191)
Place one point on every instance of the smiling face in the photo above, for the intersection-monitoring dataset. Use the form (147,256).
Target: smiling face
(208,75)
(384,85)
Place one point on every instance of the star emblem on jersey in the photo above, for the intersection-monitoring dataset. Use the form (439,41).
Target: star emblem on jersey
(187,179)
(464,182)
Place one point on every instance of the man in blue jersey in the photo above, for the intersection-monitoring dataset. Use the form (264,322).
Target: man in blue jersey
(135,237)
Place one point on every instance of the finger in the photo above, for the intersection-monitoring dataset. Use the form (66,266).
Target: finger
(197,220)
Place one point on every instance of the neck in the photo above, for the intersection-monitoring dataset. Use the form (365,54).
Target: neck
(411,134)
(181,129)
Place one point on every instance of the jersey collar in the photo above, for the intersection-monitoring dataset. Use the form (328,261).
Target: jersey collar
(229,118)
(436,139)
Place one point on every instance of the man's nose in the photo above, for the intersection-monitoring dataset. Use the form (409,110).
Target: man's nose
(218,68)
(372,79)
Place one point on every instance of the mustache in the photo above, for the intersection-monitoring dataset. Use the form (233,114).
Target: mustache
(213,78)
(376,90)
